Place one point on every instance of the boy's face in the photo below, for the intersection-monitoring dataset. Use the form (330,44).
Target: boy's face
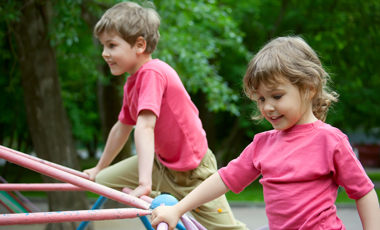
(283,106)
(119,54)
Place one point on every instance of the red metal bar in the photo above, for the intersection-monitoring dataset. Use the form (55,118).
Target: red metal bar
(6,206)
(72,179)
(40,187)
(57,166)
(19,201)
(71,216)
(23,198)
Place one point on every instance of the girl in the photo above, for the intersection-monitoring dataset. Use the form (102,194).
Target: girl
(303,161)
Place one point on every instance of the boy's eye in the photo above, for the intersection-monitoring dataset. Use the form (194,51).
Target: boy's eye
(111,45)
(261,99)
(277,96)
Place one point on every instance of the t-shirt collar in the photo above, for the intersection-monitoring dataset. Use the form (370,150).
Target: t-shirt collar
(303,127)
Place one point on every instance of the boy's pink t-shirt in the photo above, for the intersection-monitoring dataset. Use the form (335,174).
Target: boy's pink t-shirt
(302,168)
(180,141)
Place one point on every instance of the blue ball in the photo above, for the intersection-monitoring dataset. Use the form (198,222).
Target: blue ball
(164,199)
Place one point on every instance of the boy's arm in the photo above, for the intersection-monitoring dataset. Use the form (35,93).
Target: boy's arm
(369,211)
(211,188)
(144,141)
(117,137)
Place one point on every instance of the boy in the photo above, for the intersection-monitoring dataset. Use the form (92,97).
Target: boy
(171,145)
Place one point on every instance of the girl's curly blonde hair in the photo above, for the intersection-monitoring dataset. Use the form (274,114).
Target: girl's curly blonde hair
(291,59)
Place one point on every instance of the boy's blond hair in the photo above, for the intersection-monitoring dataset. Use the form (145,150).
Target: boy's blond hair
(130,21)
(293,60)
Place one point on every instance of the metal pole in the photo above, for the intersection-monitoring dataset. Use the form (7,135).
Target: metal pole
(51,164)
(71,216)
(72,179)
(98,204)
(40,187)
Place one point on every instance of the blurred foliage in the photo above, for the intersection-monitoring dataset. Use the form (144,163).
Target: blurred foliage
(344,33)
(209,44)
(73,42)
(13,127)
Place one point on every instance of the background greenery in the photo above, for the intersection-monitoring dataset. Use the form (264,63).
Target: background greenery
(209,43)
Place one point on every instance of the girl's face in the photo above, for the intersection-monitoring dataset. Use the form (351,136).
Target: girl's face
(283,106)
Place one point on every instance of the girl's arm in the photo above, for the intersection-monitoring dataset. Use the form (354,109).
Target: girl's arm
(369,211)
(117,137)
(210,189)
(144,141)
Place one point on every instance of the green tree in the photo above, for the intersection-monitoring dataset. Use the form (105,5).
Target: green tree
(344,33)
(46,117)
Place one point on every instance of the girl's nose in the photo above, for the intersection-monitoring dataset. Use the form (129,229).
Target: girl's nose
(105,53)
(268,107)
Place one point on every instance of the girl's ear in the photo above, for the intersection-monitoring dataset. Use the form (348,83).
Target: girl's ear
(311,92)
(140,45)
(308,92)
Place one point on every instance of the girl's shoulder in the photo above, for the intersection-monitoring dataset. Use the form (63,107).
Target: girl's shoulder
(329,130)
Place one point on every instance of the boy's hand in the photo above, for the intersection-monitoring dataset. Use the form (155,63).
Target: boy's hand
(167,214)
(92,172)
(141,190)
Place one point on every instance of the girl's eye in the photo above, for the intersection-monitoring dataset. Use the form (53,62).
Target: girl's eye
(261,99)
(277,96)
(111,45)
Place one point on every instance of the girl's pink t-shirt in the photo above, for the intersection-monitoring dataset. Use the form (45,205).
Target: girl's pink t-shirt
(302,168)
(180,141)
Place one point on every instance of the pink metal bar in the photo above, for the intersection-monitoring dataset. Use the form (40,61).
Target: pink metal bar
(71,216)
(189,225)
(40,187)
(57,166)
(199,226)
(72,179)
(162,226)
(143,197)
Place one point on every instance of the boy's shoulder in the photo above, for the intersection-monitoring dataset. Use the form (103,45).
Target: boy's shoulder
(155,64)
(161,68)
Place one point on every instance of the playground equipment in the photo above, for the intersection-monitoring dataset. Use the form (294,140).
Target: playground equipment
(15,202)
(77,181)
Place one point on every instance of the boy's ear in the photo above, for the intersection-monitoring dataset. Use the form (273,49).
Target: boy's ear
(140,45)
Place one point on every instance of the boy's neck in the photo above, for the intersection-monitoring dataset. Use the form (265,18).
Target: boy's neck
(142,59)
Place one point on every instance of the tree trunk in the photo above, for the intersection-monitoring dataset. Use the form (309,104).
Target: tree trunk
(47,119)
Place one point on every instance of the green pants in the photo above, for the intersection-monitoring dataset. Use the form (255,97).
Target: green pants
(215,214)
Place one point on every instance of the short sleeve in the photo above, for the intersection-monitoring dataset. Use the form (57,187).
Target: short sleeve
(125,115)
(151,89)
(349,173)
(240,172)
